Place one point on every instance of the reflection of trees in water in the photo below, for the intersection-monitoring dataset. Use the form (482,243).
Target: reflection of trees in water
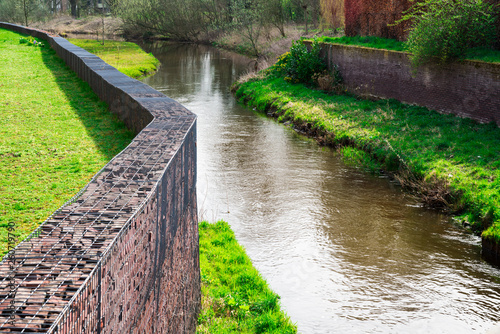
(188,68)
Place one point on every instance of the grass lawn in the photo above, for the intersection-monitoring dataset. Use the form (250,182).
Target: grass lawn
(481,54)
(126,57)
(55,134)
(452,162)
(235,298)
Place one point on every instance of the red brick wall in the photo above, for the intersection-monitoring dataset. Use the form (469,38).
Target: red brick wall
(467,89)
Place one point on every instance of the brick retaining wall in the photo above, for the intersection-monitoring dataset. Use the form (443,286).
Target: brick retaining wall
(467,89)
(122,256)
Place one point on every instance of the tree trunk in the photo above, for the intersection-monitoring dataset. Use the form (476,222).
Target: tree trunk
(74,11)
(306,18)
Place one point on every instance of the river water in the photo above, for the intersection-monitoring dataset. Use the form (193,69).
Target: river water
(348,252)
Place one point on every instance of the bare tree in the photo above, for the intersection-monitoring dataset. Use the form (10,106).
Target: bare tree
(275,14)
(22,11)
(250,22)
(332,12)
(74,5)
(177,19)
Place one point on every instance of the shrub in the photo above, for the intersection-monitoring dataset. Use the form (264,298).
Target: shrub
(304,65)
(301,64)
(444,30)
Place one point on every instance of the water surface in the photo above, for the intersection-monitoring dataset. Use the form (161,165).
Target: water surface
(347,252)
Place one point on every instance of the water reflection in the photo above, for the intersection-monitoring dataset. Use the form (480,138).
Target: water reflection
(347,252)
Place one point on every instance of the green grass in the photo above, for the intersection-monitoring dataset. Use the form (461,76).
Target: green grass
(126,57)
(55,134)
(452,162)
(367,41)
(481,54)
(235,298)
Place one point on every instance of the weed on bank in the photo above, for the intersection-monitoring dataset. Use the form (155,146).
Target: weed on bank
(235,298)
(55,134)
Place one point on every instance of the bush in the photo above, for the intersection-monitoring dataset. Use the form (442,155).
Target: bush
(301,64)
(306,66)
(444,30)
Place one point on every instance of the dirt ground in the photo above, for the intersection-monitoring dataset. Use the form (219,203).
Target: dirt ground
(67,26)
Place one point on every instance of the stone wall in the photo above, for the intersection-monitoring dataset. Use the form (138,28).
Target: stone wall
(467,89)
(122,256)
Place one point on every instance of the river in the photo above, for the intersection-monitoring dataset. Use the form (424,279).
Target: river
(348,252)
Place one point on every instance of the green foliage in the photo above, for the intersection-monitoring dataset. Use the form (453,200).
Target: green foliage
(235,298)
(484,54)
(440,156)
(23,11)
(301,64)
(480,53)
(53,136)
(444,30)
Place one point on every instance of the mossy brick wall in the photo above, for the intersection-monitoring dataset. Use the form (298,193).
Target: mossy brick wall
(468,89)
(122,256)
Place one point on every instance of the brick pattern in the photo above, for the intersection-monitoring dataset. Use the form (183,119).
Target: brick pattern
(467,89)
(122,255)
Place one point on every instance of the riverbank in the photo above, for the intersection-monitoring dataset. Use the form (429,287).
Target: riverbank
(450,162)
(235,298)
(54,136)
(126,57)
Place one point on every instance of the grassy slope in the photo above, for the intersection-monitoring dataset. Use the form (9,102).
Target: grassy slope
(459,158)
(126,57)
(235,298)
(481,54)
(55,134)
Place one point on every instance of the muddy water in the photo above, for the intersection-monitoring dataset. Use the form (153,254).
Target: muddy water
(346,251)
